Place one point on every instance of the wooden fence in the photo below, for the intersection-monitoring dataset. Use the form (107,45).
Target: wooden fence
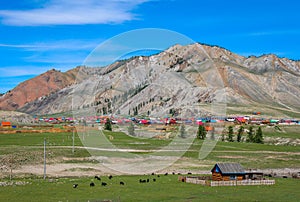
(196,180)
(242,182)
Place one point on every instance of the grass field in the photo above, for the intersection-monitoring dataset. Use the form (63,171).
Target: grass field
(27,149)
(166,188)
(250,155)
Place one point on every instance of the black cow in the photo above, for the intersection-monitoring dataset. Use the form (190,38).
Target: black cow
(103,184)
(75,185)
(166,173)
(154,180)
(152,174)
(148,180)
(110,177)
(189,173)
(142,181)
(92,184)
(122,183)
(98,178)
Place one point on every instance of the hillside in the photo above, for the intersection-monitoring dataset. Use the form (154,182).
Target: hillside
(193,79)
(16,117)
(42,85)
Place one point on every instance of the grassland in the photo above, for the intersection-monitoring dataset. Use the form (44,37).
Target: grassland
(250,155)
(166,188)
(27,150)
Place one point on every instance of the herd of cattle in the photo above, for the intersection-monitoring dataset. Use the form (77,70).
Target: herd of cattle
(153,178)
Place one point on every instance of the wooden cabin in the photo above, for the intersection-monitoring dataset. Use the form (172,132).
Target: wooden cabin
(227,172)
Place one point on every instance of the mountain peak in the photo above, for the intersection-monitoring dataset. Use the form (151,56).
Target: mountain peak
(177,77)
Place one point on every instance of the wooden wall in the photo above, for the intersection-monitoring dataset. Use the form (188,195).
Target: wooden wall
(217,177)
(220,177)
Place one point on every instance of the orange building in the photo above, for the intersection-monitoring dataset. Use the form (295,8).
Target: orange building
(6,124)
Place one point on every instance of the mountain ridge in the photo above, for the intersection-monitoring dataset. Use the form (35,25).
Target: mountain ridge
(39,86)
(208,71)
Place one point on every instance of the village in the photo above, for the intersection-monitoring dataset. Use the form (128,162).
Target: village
(255,119)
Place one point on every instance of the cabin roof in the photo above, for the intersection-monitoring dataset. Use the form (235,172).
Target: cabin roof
(229,168)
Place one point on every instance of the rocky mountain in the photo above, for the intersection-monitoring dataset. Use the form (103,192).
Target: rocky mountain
(182,80)
(40,86)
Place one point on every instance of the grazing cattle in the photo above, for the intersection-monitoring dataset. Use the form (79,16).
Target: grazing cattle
(103,184)
(98,178)
(148,180)
(179,173)
(166,173)
(142,181)
(110,177)
(122,183)
(189,173)
(158,176)
(75,185)
(92,184)
(173,173)
(152,174)
(154,180)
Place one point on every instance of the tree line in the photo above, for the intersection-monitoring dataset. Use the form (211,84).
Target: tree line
(253,136)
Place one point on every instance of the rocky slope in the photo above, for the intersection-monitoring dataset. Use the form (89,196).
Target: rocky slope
(16,117)
(193,79)
(42,85)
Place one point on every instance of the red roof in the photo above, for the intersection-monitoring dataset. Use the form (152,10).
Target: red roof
(5,123)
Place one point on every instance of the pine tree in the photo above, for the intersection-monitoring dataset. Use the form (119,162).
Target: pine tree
(182,131)
(230,134)
(107,125)
(135,111)
(223,137)
(212,134)
(201,133)
(104,110)
(131,129)
(250,135)
(259,136)
(240,133)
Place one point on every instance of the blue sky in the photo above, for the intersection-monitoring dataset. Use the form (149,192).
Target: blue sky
(38,35)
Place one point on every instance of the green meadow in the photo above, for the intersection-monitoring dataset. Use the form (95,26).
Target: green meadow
(166,188)
(27,149)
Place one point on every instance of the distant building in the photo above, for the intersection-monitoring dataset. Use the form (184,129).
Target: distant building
(6,124)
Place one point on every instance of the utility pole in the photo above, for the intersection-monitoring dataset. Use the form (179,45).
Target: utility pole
(45,158)
(73,149)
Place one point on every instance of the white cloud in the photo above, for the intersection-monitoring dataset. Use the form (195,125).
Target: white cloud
(56,45)
(13,71)
(75,12)
(10,71)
